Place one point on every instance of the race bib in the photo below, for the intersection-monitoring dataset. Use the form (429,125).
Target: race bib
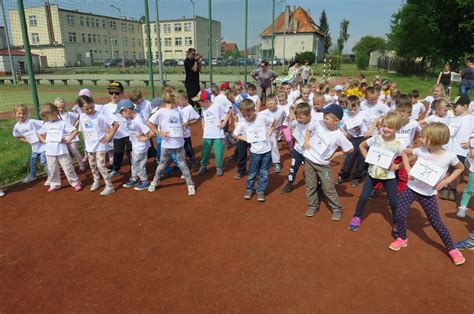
(380,157)
(91,136)
(352,123)
(256,135)
(426,172)
(54,136)
(318,143)
(31,137)
(175,131)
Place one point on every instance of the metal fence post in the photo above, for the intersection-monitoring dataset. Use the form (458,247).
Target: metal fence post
(158,46)
(246,41)
(150,57)
(210,42)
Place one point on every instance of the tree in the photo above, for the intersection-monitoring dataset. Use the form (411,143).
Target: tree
(306,55)
(324,27)
(364,47)
(232,54)
(343,35)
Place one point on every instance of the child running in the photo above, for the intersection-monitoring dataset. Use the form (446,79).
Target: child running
(466,196)
(432,163)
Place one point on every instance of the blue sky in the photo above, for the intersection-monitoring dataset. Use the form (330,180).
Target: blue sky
(366,17)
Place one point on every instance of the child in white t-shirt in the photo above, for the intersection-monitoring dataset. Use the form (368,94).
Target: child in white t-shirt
(254,129)
(283,103)
(170,124)
(25,131)
(189,116)
(278,114)
(304,97)
(57,134)
(322,139)
(142,105)
(72,119)
(252,91)
(427,176)
(373,108)
(441,113)
(98,130)
(437,93)
(418,107)
(318,105)
(466,196)
(220,93)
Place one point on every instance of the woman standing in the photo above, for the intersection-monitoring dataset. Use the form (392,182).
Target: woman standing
(444,78)
(467,78)
(264,78)
(306,72)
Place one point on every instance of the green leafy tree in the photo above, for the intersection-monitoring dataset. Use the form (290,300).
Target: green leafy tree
(343,35)
(324,27)
(306,55)
(364,47)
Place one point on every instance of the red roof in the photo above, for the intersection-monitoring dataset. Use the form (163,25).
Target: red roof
(304,24)
(229,46)
(15,52)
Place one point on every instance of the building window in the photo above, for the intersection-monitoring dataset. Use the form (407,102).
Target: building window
(167,28)
(89,38)
(33,21)
(103,23)
(167,42)
(139,42)
(177,27)
(132,42)
(123,27)
(130,28)
(72,37)
(113,25)
(81,21)
(87,22)
(97,23)
(178,41)
(134,55)
(70,19)
(187,27)
(105,39)
(83,37)
(188,41)
(125,41)
(35,38)
(94,38)
(98,39)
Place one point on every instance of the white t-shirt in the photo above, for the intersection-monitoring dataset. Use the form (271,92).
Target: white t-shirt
(417,110)
(256,132)
(324,143)
(137,127)
(109,110)
(278,115)
(144,109)
(222,99)
(169,120)
(254,98)
(55,132)
(395,146)
(78,109)
(188,114)
(316,115)
(435,118)
(28,130)
(461,128)
(443,161)
(93,128)
(286,107)
(298,133)
(374,111)
(355,125)
(71,118)
(406,134)
(213,116)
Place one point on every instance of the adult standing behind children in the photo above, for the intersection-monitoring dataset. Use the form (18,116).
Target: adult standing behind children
(264,78)
(192,67)
(467,78)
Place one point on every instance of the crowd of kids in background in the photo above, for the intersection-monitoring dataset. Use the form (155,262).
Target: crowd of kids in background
(412,147)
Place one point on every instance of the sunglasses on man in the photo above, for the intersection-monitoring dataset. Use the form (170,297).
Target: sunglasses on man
(115,93)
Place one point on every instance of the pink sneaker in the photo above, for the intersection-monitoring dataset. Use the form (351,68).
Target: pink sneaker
(78,187)
(52,188)
(84,159)
(457,257)
(398,244)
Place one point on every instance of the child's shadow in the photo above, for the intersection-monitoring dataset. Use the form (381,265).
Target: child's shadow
(275,181)
(468,221)
(416,223)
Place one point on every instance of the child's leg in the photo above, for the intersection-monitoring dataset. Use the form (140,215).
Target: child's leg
(77,155)
(110,153)
(100,162)
(174,159)
(390,187)
(33,161)
(164,158)
(181,159)
(139,166)
(349,162)
(275,152)
(368,186)
(55,176)
(430,206)
(327,184)
(402,176)
(405,200)
(206,151)
(265,165)
(287,133)
(466,196)
(68,168)
(44,162)
(94,167)
(219,152)
(188,147)
(119,151)
(241,157)
(359,169)
(311,183)
(255,164)
(296,160)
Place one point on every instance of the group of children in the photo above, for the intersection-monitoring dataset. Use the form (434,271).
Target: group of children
(387,139)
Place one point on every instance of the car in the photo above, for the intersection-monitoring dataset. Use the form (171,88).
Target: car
(204,62)
(141,62)
(181,62)
(170,62)
(230,62)
(128,63)
(111,62)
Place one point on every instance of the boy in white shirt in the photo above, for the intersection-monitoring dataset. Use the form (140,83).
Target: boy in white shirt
(252,91)
(318,105)
(142,105)
(418,107)
(215,117)
(373,108)
(322,139)
(254,129)
(220,96)
(278,114)
(189,116)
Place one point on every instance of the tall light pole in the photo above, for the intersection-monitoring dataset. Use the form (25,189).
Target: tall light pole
(194,24)
(158,45)
(12,67)
(210,41)
(121,35)
(246,41)
(273,33)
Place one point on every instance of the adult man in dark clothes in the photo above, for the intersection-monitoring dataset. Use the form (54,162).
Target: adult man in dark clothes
(192,66)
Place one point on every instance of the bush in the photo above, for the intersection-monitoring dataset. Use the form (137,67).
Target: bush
(362,59)
(307,55)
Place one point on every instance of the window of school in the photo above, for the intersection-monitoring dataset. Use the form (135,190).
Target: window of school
(132,42)
(187,27)
(87,22)
(71,20)
(123,27)
(130,28)
(72,37)
(178,41)
(167,28)
(113,25)
(81,21)
(103,23)
(33,21)
(99,39)
(89,38)
(105,39)
(188,41)
(167,42)
(83,37)
(177,27)
(94,38)
(139,42)
(97,23)
(35,38)
(124,41)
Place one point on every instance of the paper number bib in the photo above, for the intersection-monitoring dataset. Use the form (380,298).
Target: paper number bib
(54,136)
(319,144)
(31,137)
(256,135)
(426,172)
(380,157)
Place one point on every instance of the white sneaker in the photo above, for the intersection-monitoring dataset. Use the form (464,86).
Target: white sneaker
(107,191)
(183,177)
(95,186)
(47,182)
(461,212)
(191,190)
(2,193)
(29,179)
(152,187)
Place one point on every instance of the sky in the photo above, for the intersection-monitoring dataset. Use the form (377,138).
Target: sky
(366,17)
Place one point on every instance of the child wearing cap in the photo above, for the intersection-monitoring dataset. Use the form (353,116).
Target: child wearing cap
(215,117)
(170,124)
(322,139)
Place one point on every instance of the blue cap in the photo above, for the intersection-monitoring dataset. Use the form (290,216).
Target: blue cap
(335,110)
(124,104)
(156,102)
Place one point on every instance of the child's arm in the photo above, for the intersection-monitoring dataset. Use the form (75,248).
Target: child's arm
(307,136)
(291,115)
(110,133)
(22,139)
(226,118)
(458,170)
(155,130)
(258,105)
(369,132)
(364,148)
(70,137)
(407,156)
(145,137)
(272,128)
(42,138)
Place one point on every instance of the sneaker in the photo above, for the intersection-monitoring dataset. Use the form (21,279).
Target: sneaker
(277,168)
(261,197)
(248,194)
(152,187)
(373,194)
(2,193)
(398,244)
(355,224)
(444,194)
(142,186)
(77,187)
(219,172)
(84,159)
(461,212)
(354,183)
(465,245)
(287,189)
(28,179)
(311,212)
(336,215)
(237,176)
(452,195)
(182,177)
(107,191)
(52,188)
(339,180)
(113,174)
(457,257)
(95,186)
(202,170)
(130,183)
(194,167)
(191,190)
(47,182)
